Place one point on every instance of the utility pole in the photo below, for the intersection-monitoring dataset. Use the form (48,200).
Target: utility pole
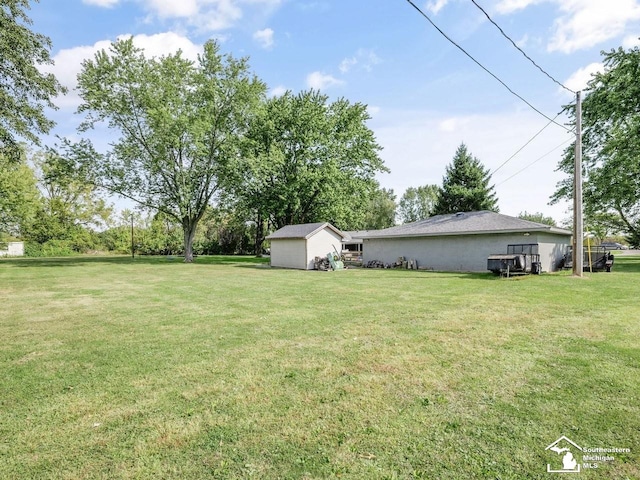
(577,194)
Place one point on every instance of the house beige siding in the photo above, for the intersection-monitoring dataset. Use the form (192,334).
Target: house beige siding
(461,253)
(288,253)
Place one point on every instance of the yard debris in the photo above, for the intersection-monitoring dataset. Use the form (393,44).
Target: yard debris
(401,262)
(376,264)
(321,263)
(325,263)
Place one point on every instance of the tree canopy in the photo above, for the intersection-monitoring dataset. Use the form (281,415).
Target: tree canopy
(70,209)
(179,124)
(381,210)
(25,90)
(20,198)
(418,203)
(610,143)
(537,217)
(306,160)
(465,186)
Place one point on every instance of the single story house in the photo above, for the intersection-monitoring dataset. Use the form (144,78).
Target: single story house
(462,242)
(296,246)
(11,249)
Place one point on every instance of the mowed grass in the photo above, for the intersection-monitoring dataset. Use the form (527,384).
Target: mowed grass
(131,369)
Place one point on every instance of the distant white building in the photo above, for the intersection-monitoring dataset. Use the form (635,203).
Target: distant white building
(462,242)
(12,249)
(296,246)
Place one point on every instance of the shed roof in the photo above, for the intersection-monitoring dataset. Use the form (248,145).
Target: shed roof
(465,223)
(303,231)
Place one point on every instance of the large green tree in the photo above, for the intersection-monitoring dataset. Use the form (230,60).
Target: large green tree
(418,203)
(179,124)
(465,186)
(70,209)
(25,90)
(610,143)
(306,160)
(381,211)
(20,199)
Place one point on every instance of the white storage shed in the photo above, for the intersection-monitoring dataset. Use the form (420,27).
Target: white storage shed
(296,246)
(12,249)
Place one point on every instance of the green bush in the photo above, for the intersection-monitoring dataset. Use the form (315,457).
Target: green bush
(51,248)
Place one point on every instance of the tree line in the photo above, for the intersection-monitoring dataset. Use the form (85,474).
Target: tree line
(199,145)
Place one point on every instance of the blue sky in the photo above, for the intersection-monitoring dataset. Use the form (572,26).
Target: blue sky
(424,95)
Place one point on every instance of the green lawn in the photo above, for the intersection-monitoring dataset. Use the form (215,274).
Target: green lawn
(113,368)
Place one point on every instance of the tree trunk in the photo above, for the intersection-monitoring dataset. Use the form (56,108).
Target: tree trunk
(259,239)
(189,228)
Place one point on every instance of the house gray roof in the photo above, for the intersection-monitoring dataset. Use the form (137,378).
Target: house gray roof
(356,236)
(465,223)
(304,230)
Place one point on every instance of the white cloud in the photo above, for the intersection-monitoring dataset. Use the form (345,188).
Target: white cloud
(581,23)
(166,43)
(523,41)
(368,59)
(373,110)
(436,5)
(277,91)
(68,62)
(101,3)
(221,15)
(510,6)
(264,37)
(578,79)
(347,63)
(173,9)
(365,59)
(586,23)
(207,15)
(321,81)
(204,15)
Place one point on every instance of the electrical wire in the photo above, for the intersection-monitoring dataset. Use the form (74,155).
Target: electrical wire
(483,67)
(534,162)
(520,50)
(523,146)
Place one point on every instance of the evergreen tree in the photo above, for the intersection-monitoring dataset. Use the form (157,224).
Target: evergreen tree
(465,186)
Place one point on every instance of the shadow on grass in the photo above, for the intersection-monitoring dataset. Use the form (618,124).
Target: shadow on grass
(623,264)
(245,261)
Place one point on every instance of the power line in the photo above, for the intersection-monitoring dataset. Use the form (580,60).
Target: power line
(520,50)
(534,162)
(482,66)
(523,146)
